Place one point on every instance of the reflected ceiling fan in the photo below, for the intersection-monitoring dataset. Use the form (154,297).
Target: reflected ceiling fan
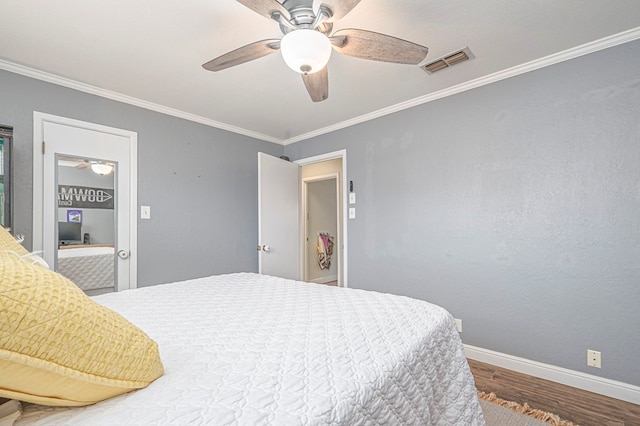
(101,168)
(308,42)
(78,163)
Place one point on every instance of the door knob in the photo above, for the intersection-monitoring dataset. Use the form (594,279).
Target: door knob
(264,248)
(123,254)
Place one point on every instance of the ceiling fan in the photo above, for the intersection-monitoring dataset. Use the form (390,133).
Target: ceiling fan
(99,167)
(308,42)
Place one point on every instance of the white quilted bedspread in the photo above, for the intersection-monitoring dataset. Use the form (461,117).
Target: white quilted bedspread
(247,349)
(90,268)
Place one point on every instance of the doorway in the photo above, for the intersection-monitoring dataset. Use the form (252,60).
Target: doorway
(97,214)
(327,171)
(321,219)
(281,213)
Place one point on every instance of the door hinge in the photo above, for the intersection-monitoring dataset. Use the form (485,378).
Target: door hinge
(42,147)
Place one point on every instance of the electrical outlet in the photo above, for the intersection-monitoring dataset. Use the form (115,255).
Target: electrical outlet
(145,212)
(459,325)
(594,358)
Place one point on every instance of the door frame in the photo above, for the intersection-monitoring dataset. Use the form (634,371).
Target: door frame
(305,212)
(39,120)
(345,217)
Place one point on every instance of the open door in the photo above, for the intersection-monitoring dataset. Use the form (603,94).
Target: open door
(278,217)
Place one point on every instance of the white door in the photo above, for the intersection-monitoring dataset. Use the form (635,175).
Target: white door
(73,138)
(278,217)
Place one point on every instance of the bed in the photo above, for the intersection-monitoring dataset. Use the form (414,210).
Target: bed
(89,267)
(248,349)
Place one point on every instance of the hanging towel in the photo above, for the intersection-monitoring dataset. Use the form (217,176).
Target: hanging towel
(324,247)
(322,254)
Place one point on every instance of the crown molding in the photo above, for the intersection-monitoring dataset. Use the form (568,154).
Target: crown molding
(115,96)
(585,49)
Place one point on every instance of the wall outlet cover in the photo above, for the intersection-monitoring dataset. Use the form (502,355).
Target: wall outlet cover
(594,358)
(458,325)
(145,212)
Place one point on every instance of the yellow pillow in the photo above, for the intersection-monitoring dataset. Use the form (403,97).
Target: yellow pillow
(59,347)
(8,243)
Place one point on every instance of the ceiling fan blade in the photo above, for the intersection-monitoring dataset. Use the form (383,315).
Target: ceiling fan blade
(243,54)
(317,84)
(339,8)
(266,8)
(378,47)
(78,163)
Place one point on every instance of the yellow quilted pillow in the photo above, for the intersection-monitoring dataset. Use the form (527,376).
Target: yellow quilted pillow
(59,347)
(8,243)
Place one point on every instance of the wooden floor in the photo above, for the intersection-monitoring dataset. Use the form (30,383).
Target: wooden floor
(578,406)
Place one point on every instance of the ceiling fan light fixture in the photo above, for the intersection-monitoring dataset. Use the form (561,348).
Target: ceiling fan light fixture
(305,51)
(101,169)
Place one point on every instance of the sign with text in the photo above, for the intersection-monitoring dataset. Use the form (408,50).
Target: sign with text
(73,196)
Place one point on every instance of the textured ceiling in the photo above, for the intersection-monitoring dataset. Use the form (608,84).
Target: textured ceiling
(150,52)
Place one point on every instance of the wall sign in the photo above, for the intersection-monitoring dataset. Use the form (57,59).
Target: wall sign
(74,196)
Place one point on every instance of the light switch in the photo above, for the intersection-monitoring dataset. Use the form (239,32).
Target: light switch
(352,212)
(145,212)
(352,198)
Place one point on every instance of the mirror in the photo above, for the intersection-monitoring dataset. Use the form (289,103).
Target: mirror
(6,139)
(86,223)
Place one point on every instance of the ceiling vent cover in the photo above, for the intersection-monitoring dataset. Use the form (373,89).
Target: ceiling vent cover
(448,61)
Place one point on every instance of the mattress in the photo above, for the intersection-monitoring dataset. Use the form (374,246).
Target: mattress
(90,268)
(247,349)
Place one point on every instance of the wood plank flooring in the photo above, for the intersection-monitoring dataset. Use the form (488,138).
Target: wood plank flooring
(576,405)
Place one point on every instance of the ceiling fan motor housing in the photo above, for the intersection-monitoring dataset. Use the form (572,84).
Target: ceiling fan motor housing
(303,16)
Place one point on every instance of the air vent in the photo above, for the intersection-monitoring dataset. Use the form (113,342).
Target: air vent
(448,61)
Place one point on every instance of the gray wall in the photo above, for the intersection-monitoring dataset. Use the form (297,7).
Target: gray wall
(200,182)
(516,206)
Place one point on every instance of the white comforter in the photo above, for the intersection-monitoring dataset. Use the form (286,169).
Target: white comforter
(90,268)
(247,349)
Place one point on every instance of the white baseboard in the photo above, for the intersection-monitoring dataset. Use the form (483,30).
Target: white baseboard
(576,379)
(324,280)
